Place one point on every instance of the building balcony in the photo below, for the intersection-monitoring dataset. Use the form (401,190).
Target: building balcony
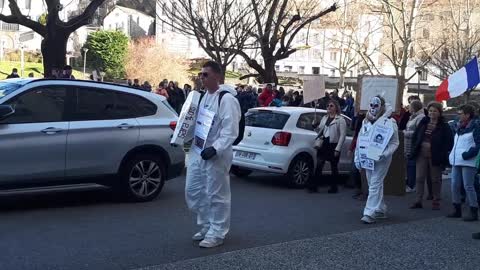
(9,27)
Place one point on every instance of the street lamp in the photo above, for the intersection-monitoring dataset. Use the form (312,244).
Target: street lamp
(85,50)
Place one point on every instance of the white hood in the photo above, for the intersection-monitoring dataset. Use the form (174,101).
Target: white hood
(388,110)
(229,88)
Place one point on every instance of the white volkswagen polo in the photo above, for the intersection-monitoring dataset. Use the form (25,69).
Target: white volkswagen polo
(280,140)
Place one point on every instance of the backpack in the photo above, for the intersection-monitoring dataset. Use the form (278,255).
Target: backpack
(241,124)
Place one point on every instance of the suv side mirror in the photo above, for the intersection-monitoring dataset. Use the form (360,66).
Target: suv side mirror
(6,111)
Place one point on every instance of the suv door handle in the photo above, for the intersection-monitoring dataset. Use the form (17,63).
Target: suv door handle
(52,130)
(125,126)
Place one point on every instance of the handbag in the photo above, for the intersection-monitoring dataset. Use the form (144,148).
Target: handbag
(318,142)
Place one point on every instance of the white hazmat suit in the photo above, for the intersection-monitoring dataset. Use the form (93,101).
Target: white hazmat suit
(207,189)
(375,206)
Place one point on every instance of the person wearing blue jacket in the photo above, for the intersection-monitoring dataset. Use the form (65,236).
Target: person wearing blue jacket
(462,158)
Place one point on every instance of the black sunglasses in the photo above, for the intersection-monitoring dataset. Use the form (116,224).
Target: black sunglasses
(204,74)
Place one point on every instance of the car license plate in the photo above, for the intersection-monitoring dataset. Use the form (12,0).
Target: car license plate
(246,155)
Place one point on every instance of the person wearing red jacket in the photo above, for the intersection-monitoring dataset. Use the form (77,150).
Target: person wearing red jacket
(266,97)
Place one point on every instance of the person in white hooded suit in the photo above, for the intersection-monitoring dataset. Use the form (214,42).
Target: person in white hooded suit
(376,168)
(207,189)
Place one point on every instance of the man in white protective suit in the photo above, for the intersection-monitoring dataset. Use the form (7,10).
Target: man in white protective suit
(207,189)
(376,143)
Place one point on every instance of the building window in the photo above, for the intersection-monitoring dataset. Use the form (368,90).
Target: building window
(333,56)
(277,67)
(301,69)
(315,70)
(426,33)
(351,73)
(164,9)
(444,54)
(316,54)
(288,68)
(332,72)
(174,9)
(444,74)
(423,75)
(28,4)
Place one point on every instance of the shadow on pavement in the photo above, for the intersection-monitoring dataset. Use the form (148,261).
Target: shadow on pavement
(58,199)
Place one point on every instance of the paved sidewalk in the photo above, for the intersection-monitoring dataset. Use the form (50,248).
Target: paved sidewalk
(438,243)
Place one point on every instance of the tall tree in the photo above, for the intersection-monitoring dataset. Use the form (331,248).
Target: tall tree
(355,39)
(55,32)
(276,24)
(108,52)
(403,33)
(460,37)
(221,27)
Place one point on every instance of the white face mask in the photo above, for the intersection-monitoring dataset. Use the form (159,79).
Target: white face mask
(375,105)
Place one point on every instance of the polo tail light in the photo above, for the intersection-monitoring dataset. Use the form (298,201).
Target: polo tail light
(281,138)
(173,125)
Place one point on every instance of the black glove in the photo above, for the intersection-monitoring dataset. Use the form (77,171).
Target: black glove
(208,153)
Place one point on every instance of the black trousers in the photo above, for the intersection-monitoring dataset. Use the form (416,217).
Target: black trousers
(325,154)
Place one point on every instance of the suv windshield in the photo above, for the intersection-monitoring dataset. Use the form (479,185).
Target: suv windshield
(266,119)
(7,88)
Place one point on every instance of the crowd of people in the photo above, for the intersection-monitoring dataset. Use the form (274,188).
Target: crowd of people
(65,73)
(431,145)
(249,96)
(175,95)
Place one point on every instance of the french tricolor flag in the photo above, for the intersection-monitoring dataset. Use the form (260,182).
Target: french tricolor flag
(467,78)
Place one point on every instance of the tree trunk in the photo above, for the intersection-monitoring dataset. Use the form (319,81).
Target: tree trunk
(270,75)
(54,49)
(341,82)
(224,72)
(401,88)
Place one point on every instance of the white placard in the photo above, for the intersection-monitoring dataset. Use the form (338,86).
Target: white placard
(186,121)
(386,87)
(313,88)
(382,133)
(202,128)
(363,141)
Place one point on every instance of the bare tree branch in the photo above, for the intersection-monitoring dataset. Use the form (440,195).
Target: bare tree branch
(84,18)
(18,17)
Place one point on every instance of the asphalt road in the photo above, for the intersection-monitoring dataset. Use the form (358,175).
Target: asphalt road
(92,230)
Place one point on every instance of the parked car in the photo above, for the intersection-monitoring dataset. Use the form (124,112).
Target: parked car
(64,132)
(280,140)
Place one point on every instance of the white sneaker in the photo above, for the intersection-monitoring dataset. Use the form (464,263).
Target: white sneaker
(367,219)
(211,242)
(409,190)
(199,236)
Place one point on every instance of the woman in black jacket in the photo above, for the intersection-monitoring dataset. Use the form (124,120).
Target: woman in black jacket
(431,144)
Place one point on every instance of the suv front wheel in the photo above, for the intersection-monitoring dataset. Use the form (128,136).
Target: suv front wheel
(142,177)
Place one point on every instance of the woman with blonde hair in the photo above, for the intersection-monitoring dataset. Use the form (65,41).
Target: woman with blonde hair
(332,131)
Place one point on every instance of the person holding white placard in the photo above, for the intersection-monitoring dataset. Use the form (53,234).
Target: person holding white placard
(207,189)
(376,143)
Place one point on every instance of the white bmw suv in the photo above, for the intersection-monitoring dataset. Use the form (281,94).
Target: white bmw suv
(280,140)
(67,132)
